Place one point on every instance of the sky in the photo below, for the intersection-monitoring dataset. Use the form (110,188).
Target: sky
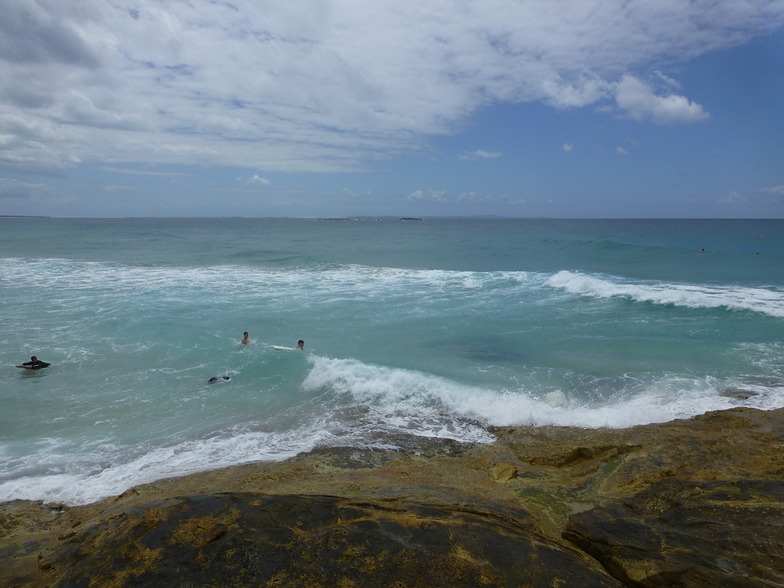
(335,108)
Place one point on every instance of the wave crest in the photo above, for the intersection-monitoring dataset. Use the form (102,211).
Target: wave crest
(761,300)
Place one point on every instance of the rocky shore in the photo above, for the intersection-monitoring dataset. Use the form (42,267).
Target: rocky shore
(696,502)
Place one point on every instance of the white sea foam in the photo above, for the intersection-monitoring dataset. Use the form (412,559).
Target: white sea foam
(74,481)
(381,403)
(126,402)
(393,399)
(761,300)
(402,396)
(349,279)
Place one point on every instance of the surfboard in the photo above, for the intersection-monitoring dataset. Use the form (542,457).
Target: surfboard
(282,348)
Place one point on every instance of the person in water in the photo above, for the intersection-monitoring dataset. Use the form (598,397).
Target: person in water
(245,338)
(218,379)
(34,364)
(300,345)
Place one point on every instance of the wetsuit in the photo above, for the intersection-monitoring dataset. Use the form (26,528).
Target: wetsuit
(35,365)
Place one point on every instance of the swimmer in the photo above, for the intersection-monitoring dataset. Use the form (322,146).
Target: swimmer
(34,364)
(245,338)
(218,379)
(300,345)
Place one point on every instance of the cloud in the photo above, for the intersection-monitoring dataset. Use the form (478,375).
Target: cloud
(142,172)
(568,147)
(479,154)
(354,194)
(773,193)
(472,197)
(768,194)
(257,180)
(773,190)
(41,32)
(120,188)
(621,151)
(329,85)
(14,189)
(732,198)
(428,195)
(640,101)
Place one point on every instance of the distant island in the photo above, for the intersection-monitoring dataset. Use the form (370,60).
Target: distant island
(343,218)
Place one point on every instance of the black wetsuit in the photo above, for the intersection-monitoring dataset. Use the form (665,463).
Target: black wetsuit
(35,365)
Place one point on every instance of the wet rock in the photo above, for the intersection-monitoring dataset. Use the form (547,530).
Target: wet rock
(682,533)
(738,393)
(504,471)
(696,502)
(253,540)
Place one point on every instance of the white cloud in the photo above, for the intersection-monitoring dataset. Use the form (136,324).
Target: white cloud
(732,198)
(479,154)
(329,85)
(568,147)
(639,100)
(472,197)
(120,188)
(774,190)
(510,200)
(141,172)
(14,189)
(621,151)
(354,194)
(257,180)
(428,195)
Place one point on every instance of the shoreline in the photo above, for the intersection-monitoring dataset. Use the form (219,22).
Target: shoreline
(585,497)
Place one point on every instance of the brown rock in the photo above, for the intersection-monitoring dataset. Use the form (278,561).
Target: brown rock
(504,471)
(682,533)
(695,502)
(254,540)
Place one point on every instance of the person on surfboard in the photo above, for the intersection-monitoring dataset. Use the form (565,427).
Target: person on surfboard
(34,364)
(218,379)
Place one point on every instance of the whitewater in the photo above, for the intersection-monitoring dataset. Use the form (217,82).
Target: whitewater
(433,327)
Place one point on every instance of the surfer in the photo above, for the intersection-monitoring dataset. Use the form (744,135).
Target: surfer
(34,364)
(245,338)
(300,346)
(218,379)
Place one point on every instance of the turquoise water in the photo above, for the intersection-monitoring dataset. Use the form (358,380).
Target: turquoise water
(436,327)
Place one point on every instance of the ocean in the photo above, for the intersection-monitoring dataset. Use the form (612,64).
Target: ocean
(432,327)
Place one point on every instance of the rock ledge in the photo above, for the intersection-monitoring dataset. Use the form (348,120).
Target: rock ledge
(696,502)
